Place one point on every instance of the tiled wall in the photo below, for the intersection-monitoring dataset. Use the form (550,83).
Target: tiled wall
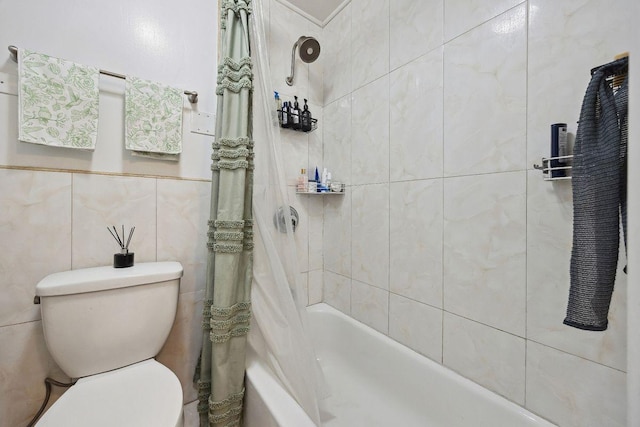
(300,150)
(56,221)
(448,240)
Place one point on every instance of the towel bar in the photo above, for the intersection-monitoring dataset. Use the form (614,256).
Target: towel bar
(191,94)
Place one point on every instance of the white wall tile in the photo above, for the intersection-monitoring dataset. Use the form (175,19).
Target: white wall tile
(301,296)
(315,218)
(183,215)
(566,40)
(35,227)
(369,41)
(337,138)
(337,233)
(286,26)
(336,56)
(416,325)
(370,234)
(415,118)
(488,356)
(574,392)
(100,201)
(316,148)
(294,148)
(370,305)
(301,235)
(315,286)
(23,351)
(415,28)
(336,291)
(463,15)
(370,133)
(415,249)
(315,93)
(181,351)
(484,249)
(485,97)
(549,241)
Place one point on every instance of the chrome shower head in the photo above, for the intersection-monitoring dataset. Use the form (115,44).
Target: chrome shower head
(309,52)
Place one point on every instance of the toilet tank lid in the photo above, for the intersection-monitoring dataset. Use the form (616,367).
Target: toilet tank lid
(103,278)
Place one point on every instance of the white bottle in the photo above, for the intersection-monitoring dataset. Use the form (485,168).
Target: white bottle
(303,182)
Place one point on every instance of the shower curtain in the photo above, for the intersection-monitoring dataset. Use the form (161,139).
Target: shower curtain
(251,280)
(227,308)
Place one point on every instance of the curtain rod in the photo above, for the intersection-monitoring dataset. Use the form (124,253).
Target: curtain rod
(192,94)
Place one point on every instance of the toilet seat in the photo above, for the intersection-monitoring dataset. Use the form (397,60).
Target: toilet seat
(139,395)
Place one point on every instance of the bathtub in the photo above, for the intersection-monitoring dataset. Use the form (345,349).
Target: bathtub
(375,381)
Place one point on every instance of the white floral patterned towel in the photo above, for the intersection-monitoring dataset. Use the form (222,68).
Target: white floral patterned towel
(153,119)
(57,101)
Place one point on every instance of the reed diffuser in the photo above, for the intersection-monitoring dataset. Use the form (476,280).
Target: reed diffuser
(124,258)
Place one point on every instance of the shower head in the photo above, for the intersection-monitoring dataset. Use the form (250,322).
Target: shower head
(309,52)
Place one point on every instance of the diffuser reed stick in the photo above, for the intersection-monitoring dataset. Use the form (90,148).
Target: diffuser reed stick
(124,248)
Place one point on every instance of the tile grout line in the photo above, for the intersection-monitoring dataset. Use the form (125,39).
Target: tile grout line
(389,169)
(526,202)
(72,176)
(442,198)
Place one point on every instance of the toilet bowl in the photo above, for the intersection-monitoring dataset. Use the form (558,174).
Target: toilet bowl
(104,326)
(143,394)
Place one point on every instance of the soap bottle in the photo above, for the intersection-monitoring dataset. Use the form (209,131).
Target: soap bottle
(559,148)
(286,116)
(323,180)
(278,107)
(313,184)
(305,119)
(317,180)
(303,183)
(295,114)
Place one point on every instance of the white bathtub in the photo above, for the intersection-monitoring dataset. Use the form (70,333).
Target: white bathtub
(375,381)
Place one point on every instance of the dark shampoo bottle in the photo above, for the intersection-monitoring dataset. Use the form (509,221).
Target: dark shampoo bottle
(305,119)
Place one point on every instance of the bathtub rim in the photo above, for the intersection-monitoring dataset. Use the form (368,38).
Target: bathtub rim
(282,407)
(448,373)
(285,410)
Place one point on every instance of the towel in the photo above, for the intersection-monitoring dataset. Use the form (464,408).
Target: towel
(57,101)
(153,119)
(599,197)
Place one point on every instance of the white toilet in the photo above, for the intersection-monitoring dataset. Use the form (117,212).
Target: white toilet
(104,326)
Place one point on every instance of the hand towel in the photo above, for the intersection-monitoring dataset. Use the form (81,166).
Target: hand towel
(57,101)
(153,119)
(598,178)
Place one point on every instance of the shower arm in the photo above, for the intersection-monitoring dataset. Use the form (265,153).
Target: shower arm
(289,79)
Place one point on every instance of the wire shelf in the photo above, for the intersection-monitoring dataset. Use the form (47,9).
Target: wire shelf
(314,122)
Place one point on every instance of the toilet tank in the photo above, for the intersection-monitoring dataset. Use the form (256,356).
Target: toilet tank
(103,318)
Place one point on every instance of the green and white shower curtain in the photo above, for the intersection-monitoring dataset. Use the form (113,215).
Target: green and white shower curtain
(227,307)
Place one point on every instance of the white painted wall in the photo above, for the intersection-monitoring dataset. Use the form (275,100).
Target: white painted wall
(170,42)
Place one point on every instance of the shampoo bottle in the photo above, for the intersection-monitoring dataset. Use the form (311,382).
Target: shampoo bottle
(286,116)
(305,119)
(295,114)
(278,107)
